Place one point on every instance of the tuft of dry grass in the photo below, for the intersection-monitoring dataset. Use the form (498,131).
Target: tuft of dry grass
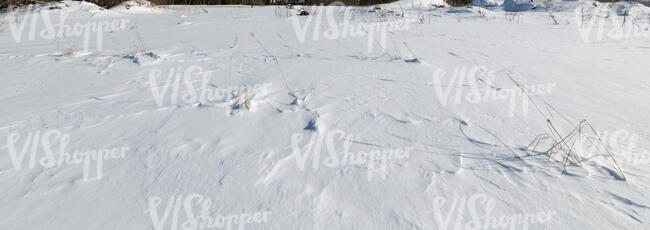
(411,56)
(140,45)
(512,16)
(71,51)
(563,143)
(242,101)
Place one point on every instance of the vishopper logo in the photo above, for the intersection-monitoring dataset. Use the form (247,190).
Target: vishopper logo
(180,87)
(60,29)
(479,208)
(481,89)
(45,141)
(194,204)
(612,23)
(336,30)
(376,160)
(623,143)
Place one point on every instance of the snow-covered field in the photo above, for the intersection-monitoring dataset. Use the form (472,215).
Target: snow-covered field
(404,117)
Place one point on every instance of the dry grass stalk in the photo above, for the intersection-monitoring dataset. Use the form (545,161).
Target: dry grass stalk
(277,61)
(140,46)
(562,144)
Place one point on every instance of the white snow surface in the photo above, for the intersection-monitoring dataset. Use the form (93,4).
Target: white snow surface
(241,156)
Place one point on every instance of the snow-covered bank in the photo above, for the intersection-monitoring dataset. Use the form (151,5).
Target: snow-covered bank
(225,109)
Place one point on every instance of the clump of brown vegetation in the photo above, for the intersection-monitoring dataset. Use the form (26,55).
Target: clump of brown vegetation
(458,3)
